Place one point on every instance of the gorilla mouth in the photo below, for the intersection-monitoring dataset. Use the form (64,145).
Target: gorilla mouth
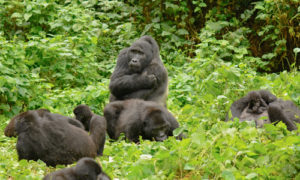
(135,67)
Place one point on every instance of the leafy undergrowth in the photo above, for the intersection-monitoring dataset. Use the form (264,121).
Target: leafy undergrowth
(56,55)
(213,149)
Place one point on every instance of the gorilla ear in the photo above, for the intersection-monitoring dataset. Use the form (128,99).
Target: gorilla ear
(95,166)
(153,111)
(87,163)
(156,115)
(30,116)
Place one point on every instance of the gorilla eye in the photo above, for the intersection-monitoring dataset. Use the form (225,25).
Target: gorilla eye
(134,51)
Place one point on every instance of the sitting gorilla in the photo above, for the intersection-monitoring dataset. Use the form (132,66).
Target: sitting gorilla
(10,128)
(262,103)
(93,123)
(86,168)
(140,73)
(46,136)
(137,118)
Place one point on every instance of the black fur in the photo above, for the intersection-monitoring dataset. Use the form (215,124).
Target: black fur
(10,128)
(285,111)
(85,169)
(94,123)
(140,73)
(51,139)
(139,118)
(263,103)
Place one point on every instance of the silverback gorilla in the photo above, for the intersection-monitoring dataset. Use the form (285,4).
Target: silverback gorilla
(41,135)
(140,73)
(137,118)
(85,169)
(263,103)
(93,123)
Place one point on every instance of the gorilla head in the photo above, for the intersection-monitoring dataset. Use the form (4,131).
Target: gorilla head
(84,114)
(156,125)
(256,103)
(85,169)
(141,53)
(139,56)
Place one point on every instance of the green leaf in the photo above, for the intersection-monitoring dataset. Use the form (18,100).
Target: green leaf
(227,175)
(165,33)
(77,27)
(182,32)
(188,166)
(251,176)
(27,16)
(16,15)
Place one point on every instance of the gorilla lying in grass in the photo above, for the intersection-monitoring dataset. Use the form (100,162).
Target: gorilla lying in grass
(137,118)
(10,130)
(262,103)
(50,137)
(85,169)
(140,73)
(93,123)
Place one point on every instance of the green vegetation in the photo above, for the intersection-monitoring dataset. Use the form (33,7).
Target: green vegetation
(57,54)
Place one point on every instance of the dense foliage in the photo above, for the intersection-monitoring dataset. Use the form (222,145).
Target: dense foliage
(58,54)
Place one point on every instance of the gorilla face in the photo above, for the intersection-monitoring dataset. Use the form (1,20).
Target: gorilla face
(156,126)
(139,55)
(256,103)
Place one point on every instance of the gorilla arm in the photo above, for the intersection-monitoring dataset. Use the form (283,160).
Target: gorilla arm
(238,107)
(123,82)
(159,74)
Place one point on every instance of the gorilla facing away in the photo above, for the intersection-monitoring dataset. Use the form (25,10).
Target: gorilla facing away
(50,138)
(285,111)
(10,128)
(262,103)
(85,169)
(94,123)
(140,73)
(137,118)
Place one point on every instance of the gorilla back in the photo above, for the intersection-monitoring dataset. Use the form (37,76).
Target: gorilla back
(51,140)
(140,73)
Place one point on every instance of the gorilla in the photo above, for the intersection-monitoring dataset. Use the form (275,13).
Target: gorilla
(93,123)
(140,73)
(285,111)
(256,104)
(136,118)
(46,136)
(262,103)
(254,97)
(10,128)
(85,169)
